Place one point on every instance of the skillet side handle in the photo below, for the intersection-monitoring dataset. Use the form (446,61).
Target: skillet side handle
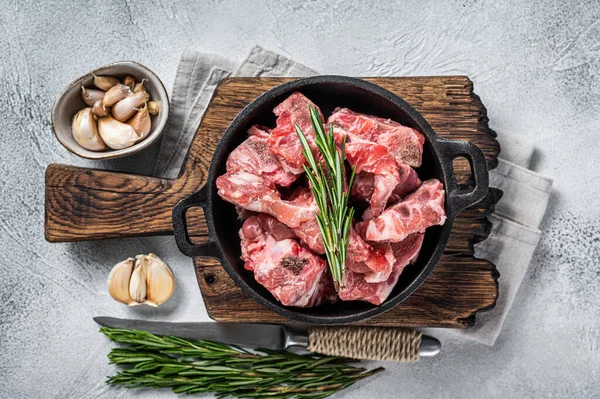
(460,199)
(182,238)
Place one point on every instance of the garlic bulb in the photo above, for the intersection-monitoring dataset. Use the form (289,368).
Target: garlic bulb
(91,96)
(129,81)
(143,280)
(125,108)
(115,94)
(85,131)
(104,82)
(115,134)
(99,110)
(140,122)
(152,107)
(118,281)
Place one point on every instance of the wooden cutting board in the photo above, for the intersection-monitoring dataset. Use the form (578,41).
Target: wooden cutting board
(87,204)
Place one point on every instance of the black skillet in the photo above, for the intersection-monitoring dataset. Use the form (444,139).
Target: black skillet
(329,92)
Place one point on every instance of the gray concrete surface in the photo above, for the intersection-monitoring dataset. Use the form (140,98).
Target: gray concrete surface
(535,64)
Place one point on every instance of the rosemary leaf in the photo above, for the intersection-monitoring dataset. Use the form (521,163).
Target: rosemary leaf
(327,185)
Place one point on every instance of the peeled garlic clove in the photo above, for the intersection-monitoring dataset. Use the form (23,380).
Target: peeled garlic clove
(104,82)
(140,86)
(152,108)
(100,110)
(126,108)
(137,283)
(90,96)
(85,131)
(116,135)
(141,123)
(115,94)
(129,81)
(118,281)
(160,282)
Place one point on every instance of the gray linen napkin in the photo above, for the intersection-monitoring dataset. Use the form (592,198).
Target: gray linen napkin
(515,231)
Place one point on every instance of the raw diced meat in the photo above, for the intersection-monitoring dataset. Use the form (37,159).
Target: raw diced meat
(418,211)
(356,287)
(364,183)
(409,182)
(253,156)
(259,131)
(292,273)
(252,193)
(283,141)
(404,143)
(373,158)
(362,253)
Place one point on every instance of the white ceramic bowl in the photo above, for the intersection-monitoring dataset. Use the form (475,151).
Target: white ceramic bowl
(69,102)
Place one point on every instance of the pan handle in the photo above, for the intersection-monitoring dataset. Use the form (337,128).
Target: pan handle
(458,198)
(208,248)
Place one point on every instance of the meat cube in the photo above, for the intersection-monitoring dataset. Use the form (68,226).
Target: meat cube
(356,286)
(292,273)
(418,211)
(364,184)
(253,156)
(373,158)
(283,141)
(404,143)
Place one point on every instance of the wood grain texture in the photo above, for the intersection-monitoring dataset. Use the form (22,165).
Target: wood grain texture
(83,204)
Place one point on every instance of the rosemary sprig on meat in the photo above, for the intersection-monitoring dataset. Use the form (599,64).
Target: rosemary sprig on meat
(329,188)
(208,367)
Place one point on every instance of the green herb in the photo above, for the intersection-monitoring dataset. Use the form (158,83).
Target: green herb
(328,188)
(227,371)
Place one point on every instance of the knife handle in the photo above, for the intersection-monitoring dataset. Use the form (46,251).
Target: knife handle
(366,343)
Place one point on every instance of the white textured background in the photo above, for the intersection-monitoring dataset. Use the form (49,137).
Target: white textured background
(535,64)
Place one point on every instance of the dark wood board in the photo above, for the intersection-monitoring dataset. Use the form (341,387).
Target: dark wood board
(86,204)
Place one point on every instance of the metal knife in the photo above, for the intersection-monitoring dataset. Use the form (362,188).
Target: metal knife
(367,343)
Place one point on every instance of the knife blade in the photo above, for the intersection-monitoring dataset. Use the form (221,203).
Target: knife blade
(268,336)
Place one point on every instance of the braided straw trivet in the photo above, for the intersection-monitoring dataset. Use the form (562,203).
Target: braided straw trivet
(368,343)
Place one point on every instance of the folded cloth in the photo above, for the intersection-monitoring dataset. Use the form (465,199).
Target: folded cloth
(515,232)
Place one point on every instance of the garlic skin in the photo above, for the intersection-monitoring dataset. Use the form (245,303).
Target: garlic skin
(100,110)
(129,81)
(104,82)
(160,282)
(115,94)
(141,122)
(140,86)
(85,131)
(152,107)
(115,134)
(126,108)
(137,284)
(118,281)
(91,96)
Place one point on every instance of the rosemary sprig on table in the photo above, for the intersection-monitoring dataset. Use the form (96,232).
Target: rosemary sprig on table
(329,189)
(208,367)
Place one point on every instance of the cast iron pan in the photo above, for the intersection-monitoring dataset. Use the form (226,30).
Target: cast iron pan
(329,92)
